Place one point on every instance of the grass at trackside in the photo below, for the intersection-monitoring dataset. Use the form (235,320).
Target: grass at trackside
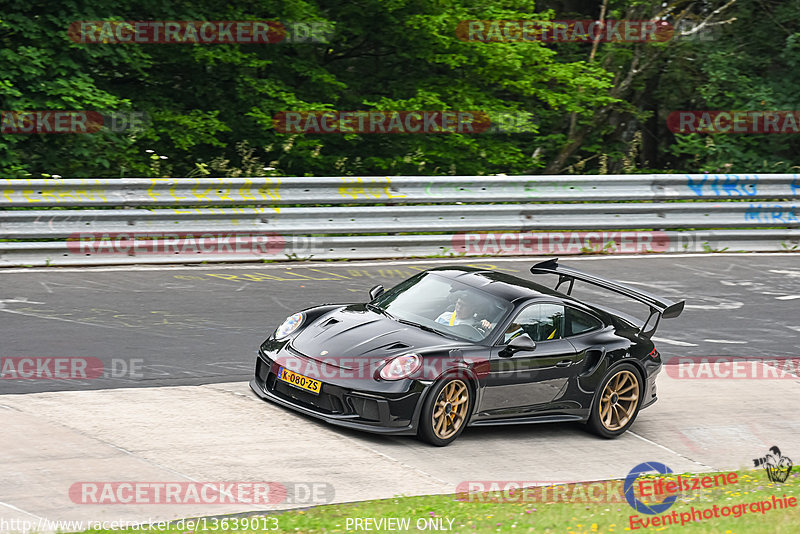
(532,515)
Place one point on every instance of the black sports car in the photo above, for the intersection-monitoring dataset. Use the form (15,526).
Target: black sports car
(458,346)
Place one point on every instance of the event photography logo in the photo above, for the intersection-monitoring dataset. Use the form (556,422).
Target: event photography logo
(776,465)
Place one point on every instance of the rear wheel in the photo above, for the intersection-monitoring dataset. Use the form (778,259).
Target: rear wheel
(445,412)
(616,401)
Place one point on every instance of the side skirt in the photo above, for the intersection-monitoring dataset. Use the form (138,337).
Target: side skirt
(529,420)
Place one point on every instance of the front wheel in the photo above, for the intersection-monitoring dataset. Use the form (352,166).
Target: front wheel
(616,401)
(445,412)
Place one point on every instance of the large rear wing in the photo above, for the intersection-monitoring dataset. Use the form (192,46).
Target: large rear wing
(659,306)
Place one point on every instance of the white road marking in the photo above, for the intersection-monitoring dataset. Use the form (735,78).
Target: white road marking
(723,305)
(796,328)
(20,510)
(788,297)
(788,272)
(669,450)
(149,333)
(673,342)
(726,341)
(21,300)
(55,318)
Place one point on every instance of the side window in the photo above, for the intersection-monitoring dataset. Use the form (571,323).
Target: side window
(540,321)
(579,322)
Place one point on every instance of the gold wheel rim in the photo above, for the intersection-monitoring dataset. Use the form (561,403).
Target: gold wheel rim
(619,400)
(450,409)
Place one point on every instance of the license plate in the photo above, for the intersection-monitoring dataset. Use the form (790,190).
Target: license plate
(299,381)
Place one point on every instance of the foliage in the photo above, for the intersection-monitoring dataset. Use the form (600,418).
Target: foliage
(595,107)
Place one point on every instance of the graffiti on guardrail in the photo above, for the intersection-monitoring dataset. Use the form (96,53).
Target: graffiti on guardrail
(268,190)
(530,188)
(52,195)
(729,185)
(358,188)
(772,213)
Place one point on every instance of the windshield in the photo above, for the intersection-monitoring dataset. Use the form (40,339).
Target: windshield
(446,306)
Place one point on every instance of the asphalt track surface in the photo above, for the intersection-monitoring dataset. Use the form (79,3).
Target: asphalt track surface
(203,324)
(185,412)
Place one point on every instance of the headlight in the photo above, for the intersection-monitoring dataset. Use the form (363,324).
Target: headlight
(401,366)
(288,326)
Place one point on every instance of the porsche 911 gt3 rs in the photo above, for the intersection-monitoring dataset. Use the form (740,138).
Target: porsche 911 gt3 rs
(453,347)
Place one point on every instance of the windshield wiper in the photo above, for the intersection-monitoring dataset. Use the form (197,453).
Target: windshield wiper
(380,310)
(426,328)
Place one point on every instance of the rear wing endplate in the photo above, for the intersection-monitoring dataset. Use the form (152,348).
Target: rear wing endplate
(659,306)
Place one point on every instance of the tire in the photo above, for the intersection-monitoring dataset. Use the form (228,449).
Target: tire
(446,411)
(617,401)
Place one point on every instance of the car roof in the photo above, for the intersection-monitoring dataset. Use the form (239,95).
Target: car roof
(498,283)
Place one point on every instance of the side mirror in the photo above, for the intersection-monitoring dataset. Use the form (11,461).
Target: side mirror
(375,292)
(521,342)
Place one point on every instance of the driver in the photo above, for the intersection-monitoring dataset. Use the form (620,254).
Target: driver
(466,312)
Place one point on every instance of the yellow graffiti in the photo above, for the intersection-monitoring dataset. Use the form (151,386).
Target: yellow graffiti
(289,275)
(490,267)
(174,195)
(67,193)
(272,191)
(224,195)
(388,190)
(26,192)
(245,190)
(352,189)
(87,194)
(151,191)
(200,196)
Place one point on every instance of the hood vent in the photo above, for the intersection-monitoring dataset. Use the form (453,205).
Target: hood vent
(397,346)
(330,322)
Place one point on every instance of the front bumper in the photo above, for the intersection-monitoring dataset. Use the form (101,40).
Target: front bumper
(371,411)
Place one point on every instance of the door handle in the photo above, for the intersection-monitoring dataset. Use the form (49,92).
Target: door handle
(564,363)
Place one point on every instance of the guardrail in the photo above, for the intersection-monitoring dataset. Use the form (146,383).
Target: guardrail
(183,220)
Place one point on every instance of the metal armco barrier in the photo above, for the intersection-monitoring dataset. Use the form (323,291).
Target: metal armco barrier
(182,220)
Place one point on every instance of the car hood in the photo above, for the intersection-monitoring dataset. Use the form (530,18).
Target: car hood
(357,332)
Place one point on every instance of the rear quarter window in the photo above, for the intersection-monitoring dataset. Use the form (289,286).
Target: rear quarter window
(579,322)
